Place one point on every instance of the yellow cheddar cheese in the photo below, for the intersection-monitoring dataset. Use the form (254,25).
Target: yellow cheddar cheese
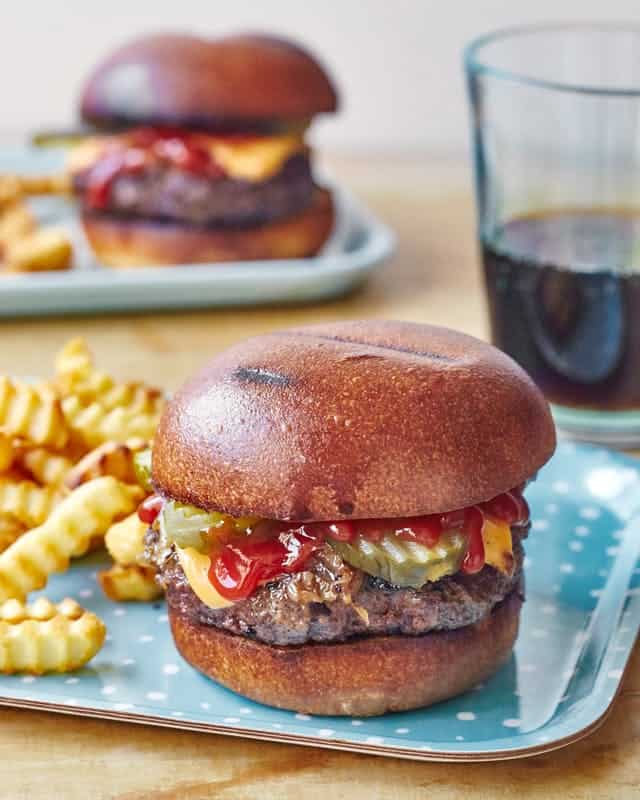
(84,154)
(196,569)
(498,547)
(255,159)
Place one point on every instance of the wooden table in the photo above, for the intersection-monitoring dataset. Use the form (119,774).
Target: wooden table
(433,278)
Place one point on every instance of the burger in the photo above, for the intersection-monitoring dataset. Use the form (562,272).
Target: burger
(199,152)
(338,517)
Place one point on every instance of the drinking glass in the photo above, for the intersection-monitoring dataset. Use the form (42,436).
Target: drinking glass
(555,113)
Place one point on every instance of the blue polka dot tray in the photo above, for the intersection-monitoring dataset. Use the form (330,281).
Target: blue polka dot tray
(578,628)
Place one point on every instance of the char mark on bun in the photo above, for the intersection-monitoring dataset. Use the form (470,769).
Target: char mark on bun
(260,375)
(371,515)
(395,347)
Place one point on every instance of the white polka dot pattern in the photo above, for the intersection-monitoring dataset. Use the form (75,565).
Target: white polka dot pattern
(577,543)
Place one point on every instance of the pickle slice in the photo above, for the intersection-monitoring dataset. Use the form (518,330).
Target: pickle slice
(142,469)
(60,138)
(405,563)
(189,526)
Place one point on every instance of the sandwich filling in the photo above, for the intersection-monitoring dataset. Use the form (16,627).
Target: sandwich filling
(291,582)
(193,177)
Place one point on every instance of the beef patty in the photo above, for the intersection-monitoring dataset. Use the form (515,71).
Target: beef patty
(331,601)
(170,194)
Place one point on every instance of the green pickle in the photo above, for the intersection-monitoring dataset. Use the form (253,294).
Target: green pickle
(188,526)
(142,468)
(405,563)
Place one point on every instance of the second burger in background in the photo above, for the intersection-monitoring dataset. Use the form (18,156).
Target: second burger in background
(200,154)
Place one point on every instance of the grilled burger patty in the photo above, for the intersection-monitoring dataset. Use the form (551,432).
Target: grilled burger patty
(170,194)
(331,601)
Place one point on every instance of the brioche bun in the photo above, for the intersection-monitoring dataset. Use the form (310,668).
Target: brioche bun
(190,81)
(352,420)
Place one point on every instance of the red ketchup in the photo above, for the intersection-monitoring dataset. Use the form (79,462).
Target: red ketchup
(279,548)
(144,149)
(149,509)
(241,565)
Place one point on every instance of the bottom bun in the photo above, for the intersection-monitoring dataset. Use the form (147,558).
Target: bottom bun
(362,677)
(125,243)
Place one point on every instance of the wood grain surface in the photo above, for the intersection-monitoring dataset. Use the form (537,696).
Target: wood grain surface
(434,278)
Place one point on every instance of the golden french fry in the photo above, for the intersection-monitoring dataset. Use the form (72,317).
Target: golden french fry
(16,221)
(73,362)
(9,189)
(134,396)
(7,452)
(44,637)
(87,512)
(94,424)
(110,458)
(31,413)
(76,375)
(26,501)
(46,467)
(125,540)
(10,530)
(130,583)
(40,251)
(16,474)
(21,185)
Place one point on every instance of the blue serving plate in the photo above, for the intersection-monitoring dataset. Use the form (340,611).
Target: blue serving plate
(358,244)
(578,628)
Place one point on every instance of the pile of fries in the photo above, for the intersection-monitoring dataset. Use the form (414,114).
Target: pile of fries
(25,246)
(67,484)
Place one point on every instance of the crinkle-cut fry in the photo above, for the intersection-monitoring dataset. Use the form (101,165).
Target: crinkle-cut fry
(44,637)
(131,582)
(77,375)
(9,190)
(42,250)
(94,425)
(87,512)
(110,458)
(132,395)
(16,474)
(32,414)
(125,540)
(74,359)
(7,452)
(20,185)
(10,530)
(26,501)
(46,467)
(16,221)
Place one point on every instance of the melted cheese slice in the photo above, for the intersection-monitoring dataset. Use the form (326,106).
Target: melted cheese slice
(255,159)
(252,159)
(498,546)
(196,569)
(85,153)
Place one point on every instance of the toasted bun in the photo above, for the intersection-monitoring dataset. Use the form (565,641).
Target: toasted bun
(187,80)
(128,243)
(352,419)
(363,677)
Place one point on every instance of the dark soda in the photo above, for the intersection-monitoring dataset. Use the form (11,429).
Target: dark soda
(564,301)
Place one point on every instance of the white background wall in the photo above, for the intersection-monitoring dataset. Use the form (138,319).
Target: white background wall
(398,62)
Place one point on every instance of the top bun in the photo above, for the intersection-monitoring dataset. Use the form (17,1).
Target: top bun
(210,83)
(352,419)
